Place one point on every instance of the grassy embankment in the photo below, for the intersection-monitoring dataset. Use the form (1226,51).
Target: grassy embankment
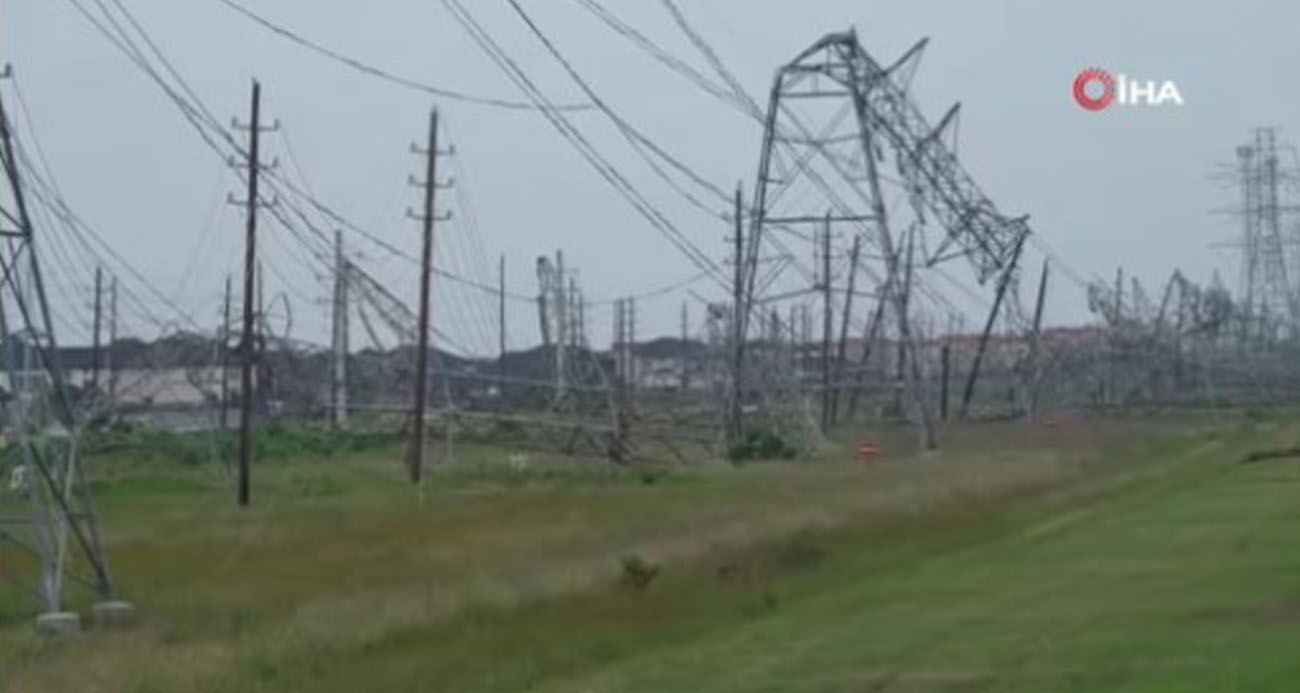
(1086,557)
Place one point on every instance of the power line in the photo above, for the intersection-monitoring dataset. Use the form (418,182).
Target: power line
(380,73)
(588,151)
(639,141)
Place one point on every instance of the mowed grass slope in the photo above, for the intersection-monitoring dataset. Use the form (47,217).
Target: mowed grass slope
(1188,583)
(1087,558)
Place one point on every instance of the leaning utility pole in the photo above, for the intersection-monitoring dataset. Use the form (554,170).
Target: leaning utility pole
(827,325)
(339,372)
(869,336)
(733,429)
(904,325)
(112,341)
(247,353)
(95,348)
(842,353)
(501,329)
(225,356)
(1004,282)
(430,185)
(1035,346)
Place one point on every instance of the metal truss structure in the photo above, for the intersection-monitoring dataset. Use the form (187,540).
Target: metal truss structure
(1270,247)
(46,512)
(848,160)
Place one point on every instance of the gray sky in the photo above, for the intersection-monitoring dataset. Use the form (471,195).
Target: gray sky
(1127,186)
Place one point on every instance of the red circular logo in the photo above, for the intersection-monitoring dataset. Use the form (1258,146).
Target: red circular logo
(1091,76)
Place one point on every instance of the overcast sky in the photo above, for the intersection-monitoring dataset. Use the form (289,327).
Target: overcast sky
(1128,187)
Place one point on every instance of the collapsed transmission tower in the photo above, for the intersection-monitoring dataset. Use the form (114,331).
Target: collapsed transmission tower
(49,533)
(847,154)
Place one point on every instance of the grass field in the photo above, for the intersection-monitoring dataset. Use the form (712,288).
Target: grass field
(1094,556)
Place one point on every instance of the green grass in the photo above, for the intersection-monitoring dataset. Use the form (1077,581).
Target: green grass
(1089,557)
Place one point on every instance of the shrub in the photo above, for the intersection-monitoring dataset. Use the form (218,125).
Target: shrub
(638,573)
(762,445)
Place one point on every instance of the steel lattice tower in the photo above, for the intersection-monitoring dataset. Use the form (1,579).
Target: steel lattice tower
(46,517)
(1270,277)
(846,152)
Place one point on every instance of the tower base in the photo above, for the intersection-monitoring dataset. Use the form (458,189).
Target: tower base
(58,624)
(114,614)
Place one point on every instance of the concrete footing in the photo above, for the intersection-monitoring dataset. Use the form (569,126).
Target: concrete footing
(114,614)
(58,624)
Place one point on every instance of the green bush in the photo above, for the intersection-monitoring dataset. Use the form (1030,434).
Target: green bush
(762,445)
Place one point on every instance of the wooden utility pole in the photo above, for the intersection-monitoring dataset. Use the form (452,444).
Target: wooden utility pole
(904,300)
(1119,294)
(431,185)
(263,375)
(112,341)
(95,348)
(501,329)
(619,447)
(1005,281)
(794,339)
(561,328)
(1035,346)
(246,341)
(422,339)
(733,428)
(225,356)
(945,364)
(828,327)
(339,371)
(684,366)
(579,324)
(869,336)
(633,378)
(1113,361)
(805,337)
(841,356)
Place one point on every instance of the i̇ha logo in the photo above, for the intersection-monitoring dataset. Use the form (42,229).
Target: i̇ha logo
(1095,89)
